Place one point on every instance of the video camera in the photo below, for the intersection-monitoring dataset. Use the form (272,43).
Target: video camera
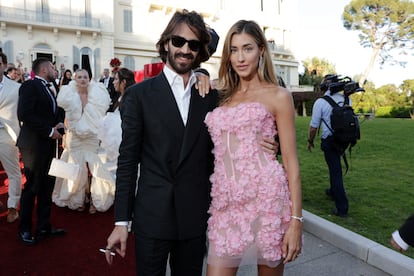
(346,84)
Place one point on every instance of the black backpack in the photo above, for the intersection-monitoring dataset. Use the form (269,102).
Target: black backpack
(344,126)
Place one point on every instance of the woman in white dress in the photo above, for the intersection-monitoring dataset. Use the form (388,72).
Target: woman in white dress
(85,104)
(110,132)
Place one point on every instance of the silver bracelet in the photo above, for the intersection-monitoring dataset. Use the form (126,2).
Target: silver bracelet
(301,219)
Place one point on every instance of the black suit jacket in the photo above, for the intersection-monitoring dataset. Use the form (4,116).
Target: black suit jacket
(36,115)
(175,162)
(407,231)
(112,93)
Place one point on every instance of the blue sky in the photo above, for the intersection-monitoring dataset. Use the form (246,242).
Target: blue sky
(320,33)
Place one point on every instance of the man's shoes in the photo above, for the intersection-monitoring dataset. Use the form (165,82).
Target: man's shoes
(53,232)
(26,237)
(12,215)
(336,213)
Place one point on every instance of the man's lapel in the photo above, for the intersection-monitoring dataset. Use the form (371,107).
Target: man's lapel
(165,106)
(196,114)
(49,95)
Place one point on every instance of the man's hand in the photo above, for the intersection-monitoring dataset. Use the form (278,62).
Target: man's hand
(116,241)
(270,145)
(310,145)
(395,245)
(56,134)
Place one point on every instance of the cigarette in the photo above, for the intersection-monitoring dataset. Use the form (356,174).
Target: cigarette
(103,250)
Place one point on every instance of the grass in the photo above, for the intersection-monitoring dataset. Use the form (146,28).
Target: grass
(379,183)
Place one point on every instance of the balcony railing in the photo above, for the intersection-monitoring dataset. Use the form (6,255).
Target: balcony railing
(278,49)
(29,16)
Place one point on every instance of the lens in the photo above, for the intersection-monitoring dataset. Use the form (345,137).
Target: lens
(178,41)
(194,45)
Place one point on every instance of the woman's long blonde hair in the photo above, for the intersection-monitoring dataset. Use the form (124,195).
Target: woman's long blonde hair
(228,79)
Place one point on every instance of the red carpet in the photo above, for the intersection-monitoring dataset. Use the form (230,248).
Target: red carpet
(76,253)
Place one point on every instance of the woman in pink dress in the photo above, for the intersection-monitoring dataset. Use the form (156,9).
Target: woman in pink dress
(256,209)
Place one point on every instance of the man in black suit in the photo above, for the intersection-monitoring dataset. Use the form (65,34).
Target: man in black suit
(40,120)
(403,238)
(164,132)
(108,81)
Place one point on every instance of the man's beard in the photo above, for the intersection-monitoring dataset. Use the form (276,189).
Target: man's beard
(51,78)
(178,67)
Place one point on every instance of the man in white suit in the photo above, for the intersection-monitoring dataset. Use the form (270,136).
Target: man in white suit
(9,130)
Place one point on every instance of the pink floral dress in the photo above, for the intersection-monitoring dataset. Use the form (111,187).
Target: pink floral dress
(250,209)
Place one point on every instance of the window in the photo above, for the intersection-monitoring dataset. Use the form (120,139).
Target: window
(129,63)
(42,11)
(7,49)
(128,21)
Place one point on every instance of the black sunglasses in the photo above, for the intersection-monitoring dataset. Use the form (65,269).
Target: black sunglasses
(179,42)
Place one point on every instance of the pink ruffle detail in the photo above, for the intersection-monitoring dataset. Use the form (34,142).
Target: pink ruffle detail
(250,196)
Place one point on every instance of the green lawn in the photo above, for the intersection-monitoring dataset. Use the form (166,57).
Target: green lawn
(379,183)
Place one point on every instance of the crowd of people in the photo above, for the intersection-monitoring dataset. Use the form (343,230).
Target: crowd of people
(24,136)
(175,156)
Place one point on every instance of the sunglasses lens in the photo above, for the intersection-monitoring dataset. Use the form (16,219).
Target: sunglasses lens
(178,41)
(194,45)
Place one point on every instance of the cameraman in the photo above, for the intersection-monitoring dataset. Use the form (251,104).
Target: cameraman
(321,112)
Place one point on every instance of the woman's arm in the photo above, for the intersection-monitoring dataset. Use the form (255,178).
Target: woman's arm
(284,113)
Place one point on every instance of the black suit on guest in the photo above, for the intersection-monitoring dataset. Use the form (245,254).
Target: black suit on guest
(175,165)
(112,93)
(407,231)
(37,116)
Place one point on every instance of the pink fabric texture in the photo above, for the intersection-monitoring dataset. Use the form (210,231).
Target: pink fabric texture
(250,209)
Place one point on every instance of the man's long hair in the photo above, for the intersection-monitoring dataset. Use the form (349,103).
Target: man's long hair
(196,23)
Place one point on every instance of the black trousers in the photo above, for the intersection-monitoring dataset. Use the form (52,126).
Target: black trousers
(333,160)
(39,185)
(185,256)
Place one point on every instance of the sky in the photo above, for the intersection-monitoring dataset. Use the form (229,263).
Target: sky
(320,33)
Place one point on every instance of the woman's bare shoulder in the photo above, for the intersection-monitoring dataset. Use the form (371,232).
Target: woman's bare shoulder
(276,93)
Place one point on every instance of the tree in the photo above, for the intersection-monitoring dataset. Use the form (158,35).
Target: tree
(364,101)
(386,26)
(315,70)
(407,88)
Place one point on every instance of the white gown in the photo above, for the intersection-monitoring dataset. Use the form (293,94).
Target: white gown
(82,147)
(110,135)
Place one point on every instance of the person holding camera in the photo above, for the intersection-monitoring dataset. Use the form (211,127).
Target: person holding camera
(321,112)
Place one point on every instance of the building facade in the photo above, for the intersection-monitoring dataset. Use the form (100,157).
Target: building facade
(71,32)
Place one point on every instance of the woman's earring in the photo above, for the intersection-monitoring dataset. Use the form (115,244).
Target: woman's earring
(260,60)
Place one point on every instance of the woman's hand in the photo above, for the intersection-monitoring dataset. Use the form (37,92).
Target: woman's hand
(202,84)
(292,241)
